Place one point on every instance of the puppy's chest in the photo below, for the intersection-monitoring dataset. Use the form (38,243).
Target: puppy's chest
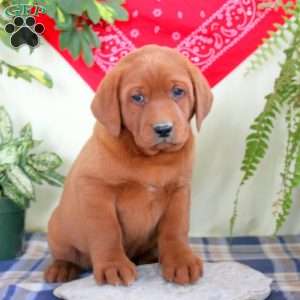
(140,208)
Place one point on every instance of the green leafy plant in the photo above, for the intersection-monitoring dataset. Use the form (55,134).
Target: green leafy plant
(284,99)
(20,167)
(280,36)
(74,20)
(27,73)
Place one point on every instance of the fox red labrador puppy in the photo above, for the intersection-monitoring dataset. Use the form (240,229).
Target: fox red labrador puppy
(127,196)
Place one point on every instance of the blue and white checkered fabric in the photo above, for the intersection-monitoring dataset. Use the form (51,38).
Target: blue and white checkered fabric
(279,258)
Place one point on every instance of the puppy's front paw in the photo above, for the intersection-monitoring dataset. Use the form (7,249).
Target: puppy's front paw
(61,271)
(115,272)
(182,268)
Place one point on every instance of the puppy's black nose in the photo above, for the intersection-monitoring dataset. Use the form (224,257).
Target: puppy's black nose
(163,129)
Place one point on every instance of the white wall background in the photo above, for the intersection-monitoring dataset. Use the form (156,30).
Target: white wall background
(61,117)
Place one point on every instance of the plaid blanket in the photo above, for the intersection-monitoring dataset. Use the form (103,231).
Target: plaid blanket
(279,258)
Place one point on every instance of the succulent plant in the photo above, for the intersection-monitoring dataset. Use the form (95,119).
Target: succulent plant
(20,168)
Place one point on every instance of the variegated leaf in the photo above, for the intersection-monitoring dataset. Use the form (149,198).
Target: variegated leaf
(26,131)
(8,154)
(11,192)
(6,129)
(23,149)
(45,161)
(21,181)
(2,178)
(32,174)
(37,74)
(53,178)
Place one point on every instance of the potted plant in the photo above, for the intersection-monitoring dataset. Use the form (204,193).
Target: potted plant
(20,168)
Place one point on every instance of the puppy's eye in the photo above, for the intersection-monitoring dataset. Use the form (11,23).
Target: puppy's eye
(177,92)
(138,98)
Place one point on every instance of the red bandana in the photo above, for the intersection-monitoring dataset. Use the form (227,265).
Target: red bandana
(215,35)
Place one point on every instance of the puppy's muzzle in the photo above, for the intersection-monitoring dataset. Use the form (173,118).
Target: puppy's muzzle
(163,129)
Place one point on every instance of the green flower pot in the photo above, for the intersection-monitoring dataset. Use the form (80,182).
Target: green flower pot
(12,221)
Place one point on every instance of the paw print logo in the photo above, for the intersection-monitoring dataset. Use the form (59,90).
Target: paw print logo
(24,31)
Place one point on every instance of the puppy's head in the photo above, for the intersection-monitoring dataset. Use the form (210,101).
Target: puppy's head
(153,92)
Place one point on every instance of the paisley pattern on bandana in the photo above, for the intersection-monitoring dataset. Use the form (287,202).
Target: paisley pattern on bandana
(215,35)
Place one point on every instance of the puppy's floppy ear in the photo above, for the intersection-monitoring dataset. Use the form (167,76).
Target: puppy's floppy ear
(106,103)
(202,94)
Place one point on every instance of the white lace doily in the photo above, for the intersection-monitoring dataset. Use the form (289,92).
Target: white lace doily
(221,281)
